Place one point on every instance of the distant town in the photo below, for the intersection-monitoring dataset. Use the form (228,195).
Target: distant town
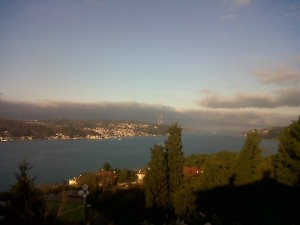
(64,129)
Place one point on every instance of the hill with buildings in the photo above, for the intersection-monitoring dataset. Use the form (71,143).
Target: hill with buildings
(76,129)
(268,132)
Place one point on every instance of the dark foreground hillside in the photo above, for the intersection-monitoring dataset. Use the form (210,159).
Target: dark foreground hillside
(263,202)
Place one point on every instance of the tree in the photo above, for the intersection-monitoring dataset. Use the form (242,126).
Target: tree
(26,200)
(287,166)
(106,166)
(185,202)
(175,159)
(155,181)
(126,176)
(92,180)
(249,160)
(219,169)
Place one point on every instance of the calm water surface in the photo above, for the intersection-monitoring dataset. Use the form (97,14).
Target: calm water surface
(57,161)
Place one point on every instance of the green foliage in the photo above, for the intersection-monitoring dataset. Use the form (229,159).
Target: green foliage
(287,166)
(266,168)
(175,158)
(70,212)
(250,158)
(265,202)
(165,177)
(25,199)
(184,202)
(122,207)
(18,129)
(106,166)
(92,180)
(155,181)
(126,176)
(219,169)
(197,160)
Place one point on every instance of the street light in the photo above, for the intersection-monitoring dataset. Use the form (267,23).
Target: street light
(84,193)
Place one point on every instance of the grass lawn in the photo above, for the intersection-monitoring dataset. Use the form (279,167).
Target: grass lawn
(70,212)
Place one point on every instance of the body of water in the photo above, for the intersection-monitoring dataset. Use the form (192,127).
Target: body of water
(57,161)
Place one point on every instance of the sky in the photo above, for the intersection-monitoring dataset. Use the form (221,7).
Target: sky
(207,64)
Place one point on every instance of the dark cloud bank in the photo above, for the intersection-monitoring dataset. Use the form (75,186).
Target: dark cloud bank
(280,98)
(202,119)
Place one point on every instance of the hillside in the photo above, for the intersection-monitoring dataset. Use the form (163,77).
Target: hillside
(75,129)
(268,133)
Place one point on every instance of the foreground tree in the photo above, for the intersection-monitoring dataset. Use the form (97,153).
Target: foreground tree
(155,181)
(26,200)
(175,159)
(165,177)
(287,166)
(184,202)
(219,169)
(126,176)
(250,158)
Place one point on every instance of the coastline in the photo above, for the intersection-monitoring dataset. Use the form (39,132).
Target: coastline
(75,138)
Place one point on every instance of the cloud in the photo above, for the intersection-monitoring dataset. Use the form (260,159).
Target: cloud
(81,110)
(94,3)
(288,97)
(241,2)
(237,101)
(282,76)
(232,8)
(293,10)
(238,3)
(279,75)
(203,119)
(229,16)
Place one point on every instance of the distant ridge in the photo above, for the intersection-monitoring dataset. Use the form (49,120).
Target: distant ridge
(11,130)
(268,132)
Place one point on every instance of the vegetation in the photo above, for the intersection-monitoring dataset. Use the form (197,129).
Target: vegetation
(156,181)
(288,157)
(92,180)
(219,169)
(26,200)
(174,159)
(164,177)
(234,188)
(249,159)
(17,129)
(126,176)
(106,166)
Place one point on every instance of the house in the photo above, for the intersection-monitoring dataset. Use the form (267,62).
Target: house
(191,171)
(141,175)
(73,182)
(187,172)
(106,178)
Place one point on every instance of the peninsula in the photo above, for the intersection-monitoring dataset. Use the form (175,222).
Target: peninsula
(11,130)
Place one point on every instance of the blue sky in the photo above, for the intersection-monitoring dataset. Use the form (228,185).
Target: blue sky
(238,60)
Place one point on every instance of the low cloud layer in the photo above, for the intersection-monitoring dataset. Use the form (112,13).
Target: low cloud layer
(284,80)
(281,98)
(202,119)
(281,76)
